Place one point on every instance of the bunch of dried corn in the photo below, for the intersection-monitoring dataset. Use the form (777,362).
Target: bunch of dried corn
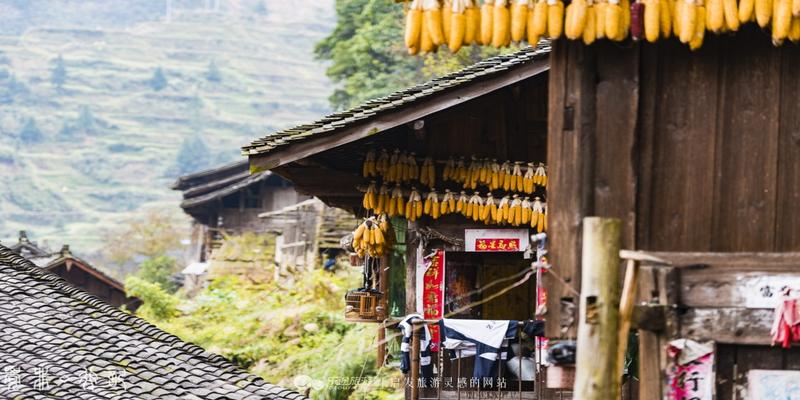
(374,236)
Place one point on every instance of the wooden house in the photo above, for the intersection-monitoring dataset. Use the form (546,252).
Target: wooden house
(496,109)
(697,153)
(76,271)
(227,201)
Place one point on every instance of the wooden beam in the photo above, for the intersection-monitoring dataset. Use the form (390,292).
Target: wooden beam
(596,376)
(403,115)
(732,325)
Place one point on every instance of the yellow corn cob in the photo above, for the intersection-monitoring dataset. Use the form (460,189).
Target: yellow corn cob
(782,20)
(688,21)
(794,31)
(626,18)
(432,16)
(715,15)
(447,19)
(539,23)
(473,17)
(745,10)
(763,10)
(413,26)
(487,26)
(731,14)
(555,18)
(613,21)
(652,22)
(700,28)
(500,24)
(457,30)
(665,17)
(485,211)
(575,19)
(425,46)
(525,212)
(589,30)
(677,8)
(377,235)
(600,19)
(532,37)
(519,18)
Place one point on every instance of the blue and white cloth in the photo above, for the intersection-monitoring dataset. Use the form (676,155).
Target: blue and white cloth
(426,367)
(485,339)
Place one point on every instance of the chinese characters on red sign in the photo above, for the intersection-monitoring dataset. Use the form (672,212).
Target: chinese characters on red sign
(433,295)
(497,245)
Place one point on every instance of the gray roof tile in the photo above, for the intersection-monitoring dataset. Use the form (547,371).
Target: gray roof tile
(395,100)
(82,342)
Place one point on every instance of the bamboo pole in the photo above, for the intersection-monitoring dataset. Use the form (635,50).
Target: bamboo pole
(415,350)
(595,377)
(626,304)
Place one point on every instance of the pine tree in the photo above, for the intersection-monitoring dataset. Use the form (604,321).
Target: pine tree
(193,156)
(58,75)
(159,80)
(212,73)
(86,121)
(30,133)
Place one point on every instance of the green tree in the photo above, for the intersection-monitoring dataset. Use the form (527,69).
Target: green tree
(66,132)
(58,75)
(154,234)
(159,270)
(86,122)
(30,132)
(368,58)
(157,304)
(159,81)
(193,155)
(212,72)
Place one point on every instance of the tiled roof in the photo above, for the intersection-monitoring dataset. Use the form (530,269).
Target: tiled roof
(57,341)
(397,99)
(207,186)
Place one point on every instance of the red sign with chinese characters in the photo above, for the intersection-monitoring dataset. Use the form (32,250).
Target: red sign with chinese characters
(490,245)
(433,295)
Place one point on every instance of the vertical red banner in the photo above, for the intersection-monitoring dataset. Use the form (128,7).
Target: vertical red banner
(433,295)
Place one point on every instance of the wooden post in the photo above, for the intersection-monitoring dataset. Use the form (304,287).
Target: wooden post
(626,311)
(415,350)
(383,287)
(596,376)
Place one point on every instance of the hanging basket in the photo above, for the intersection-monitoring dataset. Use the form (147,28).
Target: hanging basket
(362,306)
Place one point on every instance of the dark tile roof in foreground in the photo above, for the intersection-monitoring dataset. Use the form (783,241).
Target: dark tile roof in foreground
(475,72)
(57,341)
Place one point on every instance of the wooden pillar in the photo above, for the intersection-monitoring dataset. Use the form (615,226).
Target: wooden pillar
(383,287)
(415,351)
(598,326)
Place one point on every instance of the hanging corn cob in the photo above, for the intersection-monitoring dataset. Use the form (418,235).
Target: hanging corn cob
(665,17)
(540,176)
(514,216)
(373,237)
(600,19)
(489,212)
(555,18)
(715,15)
(652,20)
(781,20)
(526,211)
(537,214)
(487,24)
(537,24)
(413,31)
(432,16)
(501,24)
(590,29)
(613,22)
(502,210)
(449,169)
(462,173)
(475,207)
(461,203)
(447,19)
(700,27)
(383,200)
(473,16)
(448,204)
(763,11)
(368,167)
(413,206)
(370,197)
(575,19)
(458,25)
(519,19)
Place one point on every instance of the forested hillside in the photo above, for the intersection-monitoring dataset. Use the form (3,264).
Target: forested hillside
(103,103)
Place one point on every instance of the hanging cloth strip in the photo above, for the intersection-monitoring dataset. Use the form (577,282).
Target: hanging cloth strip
(426,367)
(786,327)
(483,338)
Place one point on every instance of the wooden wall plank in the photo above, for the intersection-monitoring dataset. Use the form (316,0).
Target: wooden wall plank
(571,124)
(678,213)
(747,152)
(728,325)
(617,94)
(787,235)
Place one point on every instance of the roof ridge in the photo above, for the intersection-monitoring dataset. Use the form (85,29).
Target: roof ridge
(12,259)
(398,98)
